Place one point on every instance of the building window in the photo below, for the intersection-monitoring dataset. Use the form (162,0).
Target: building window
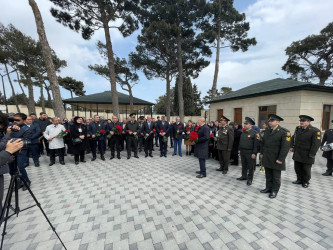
(238,115)
(326,117)
(264,112)
(219,114)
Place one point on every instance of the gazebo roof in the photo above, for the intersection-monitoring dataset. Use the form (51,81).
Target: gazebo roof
(106,98)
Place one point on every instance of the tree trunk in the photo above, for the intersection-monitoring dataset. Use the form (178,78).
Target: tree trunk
(42,99)
(58,106)
(112,75)
(72,105)
(217,60)
(131,98)
(49,99)
(168,102)
(23,92)
(31,100)
(13,91)
(180,77)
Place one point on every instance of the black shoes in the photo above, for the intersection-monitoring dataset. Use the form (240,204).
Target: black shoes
(165,156)
(94,158)
(174,154)
(103,158)
(150,155)
(327,174)
(186,152)
(297,182)
(224,172)
(249,182)
(264,191)
(37,164)
(51,164)
(76,163)
(62,163)
(161,155)
(112,157)
(241,179)
(146,155)
(219,169)
(83,161)
(201,176)
(272,195)
(135,156)
(305,185)
(128,157)
(119,157)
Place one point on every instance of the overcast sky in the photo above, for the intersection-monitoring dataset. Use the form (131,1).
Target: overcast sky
(274,23)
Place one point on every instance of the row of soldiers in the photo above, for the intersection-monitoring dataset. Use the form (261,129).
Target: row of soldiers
(273,146)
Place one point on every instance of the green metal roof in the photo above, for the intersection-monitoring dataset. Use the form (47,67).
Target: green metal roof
(106,98)
(274,86)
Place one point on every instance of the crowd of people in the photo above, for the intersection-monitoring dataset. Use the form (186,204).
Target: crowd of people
(221,140)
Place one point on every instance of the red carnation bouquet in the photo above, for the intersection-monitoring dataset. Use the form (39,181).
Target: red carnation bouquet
(211,135)
(165,139)
(197,128)
(194,137)
(188,128)
(117,130)
(62,134)
(100,133)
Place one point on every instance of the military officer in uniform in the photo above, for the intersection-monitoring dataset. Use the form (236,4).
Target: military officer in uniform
(225,140)
(132,130)
(273,151)
(248,149)
(328,138)
(304,144)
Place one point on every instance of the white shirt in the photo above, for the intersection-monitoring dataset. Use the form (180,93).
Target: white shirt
(52,131)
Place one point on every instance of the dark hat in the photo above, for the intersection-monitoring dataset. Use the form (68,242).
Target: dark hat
(273,117)
(132,115)
(249,120)
(142,117)
(224,118)
(306,118)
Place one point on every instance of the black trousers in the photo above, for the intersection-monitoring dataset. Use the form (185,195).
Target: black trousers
(149,142)
(100,144)
(163,146)
(61,154)
(41,146)
(79,157)
(130,140)
(234,156)
(248,165)
(140,142)
(329,166)
(303,171)
(115,144)
(122,142)
(273,179)
(224,158)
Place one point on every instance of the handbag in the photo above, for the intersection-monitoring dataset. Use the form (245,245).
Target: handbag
(76,141)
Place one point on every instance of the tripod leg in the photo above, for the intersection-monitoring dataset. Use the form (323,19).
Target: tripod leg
(7,207)
(41,209)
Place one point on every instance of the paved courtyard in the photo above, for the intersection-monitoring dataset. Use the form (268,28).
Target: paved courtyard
(157,203)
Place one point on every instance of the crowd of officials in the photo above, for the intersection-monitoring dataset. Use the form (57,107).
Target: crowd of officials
(222,140)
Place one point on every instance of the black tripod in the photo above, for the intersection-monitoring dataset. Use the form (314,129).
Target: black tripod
(15,181)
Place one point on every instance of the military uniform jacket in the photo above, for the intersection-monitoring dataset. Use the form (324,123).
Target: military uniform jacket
(133,127)
(275,146)
(249,142)
(225,138)
(305,143)
(328,138)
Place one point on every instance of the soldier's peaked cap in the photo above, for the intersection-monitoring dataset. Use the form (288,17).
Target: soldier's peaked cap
(249,120)
(306,117)
(224,118)
(132,115)
(273,117)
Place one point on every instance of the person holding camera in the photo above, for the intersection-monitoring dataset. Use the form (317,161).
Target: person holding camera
(19,130)
(56,142)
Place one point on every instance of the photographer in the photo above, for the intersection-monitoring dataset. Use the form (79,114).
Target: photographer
(24,133)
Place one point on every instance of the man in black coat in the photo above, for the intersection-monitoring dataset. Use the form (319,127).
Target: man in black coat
(148,133)
(132,131)
(201,147)
(43,122)
(163,130)
(304,144)
(328,138)
(94,128)
(177,134)
(115,141)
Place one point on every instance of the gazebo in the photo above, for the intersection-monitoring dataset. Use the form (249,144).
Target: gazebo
(103,102)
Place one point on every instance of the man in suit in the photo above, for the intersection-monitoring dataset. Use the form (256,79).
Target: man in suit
(328,139)
(94,128)
(132,131)
(201,147)
(304,144)
(115,141)
(43,122)
(225,140)
(148,132)
(177,134)
(162,128)
(273,152)
(33,147)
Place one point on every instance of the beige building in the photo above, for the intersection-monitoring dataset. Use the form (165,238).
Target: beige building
(284,97)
